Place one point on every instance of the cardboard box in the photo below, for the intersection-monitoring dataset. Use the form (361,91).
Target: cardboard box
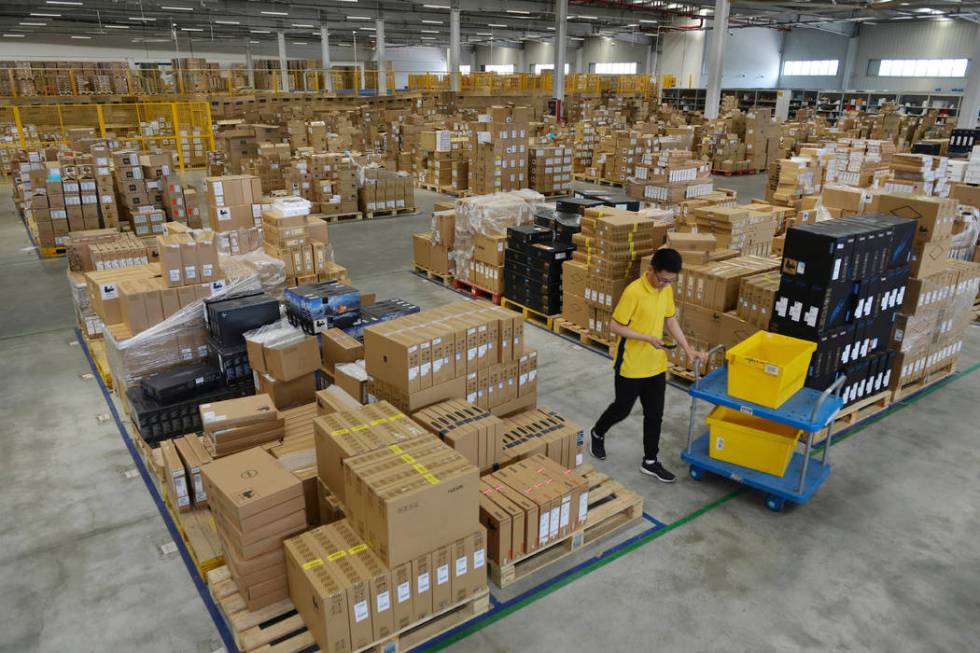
(288,394)
(489,249)
(338,347)
(352,378)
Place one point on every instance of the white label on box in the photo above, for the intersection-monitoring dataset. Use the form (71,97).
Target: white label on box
(412,373)
(217,287)
(207,270)
(442,575)
(543,528)
(579,459)
(566,509)
(361,611)
(383,601)
(404,592)
(190,272)
(553,521)
(811,316)
(425,369)
(461,566)
(224,213)
(423,583)
(174,275)
(109,291)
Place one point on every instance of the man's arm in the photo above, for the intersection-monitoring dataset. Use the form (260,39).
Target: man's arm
(674,327)
(624,331)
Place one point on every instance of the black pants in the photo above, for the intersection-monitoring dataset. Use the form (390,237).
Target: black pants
(650,392)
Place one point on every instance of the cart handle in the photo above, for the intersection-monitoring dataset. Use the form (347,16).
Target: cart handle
(697,362)
(834,389)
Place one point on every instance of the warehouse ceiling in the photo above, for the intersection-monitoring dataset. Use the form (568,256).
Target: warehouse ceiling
(426,22)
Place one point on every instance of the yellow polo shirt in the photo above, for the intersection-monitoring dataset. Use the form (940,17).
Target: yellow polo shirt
(642,308)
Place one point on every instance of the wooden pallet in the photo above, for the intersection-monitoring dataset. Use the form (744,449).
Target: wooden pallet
(551,196)
(477,291)
(51,252)
(601,181)
(381,213)
(96,348)
(736,173)
(562,326)
(611,507)
(681,373)
(444,279)
(278,628)
(445,190)
(531,315)
(905,390)
(862,410)
(342,217)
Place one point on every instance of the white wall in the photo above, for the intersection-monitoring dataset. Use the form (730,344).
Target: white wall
(814,45)
(682,56)
(501,55)
(544,52)
(751,58)
(913,39)
(601,49)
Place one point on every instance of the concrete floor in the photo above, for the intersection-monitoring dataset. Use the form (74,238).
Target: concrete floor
(884,557)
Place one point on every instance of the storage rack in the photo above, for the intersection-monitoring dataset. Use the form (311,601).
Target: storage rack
(828,103)
(809,410)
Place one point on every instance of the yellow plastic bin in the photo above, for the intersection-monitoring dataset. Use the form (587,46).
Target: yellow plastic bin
(749,441)
(767,368)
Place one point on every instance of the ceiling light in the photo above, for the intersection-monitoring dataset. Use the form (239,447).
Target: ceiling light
(40,15)
(429,31)
(550,28)
(191,29)
(78,37)
(226,22)
(32,24)
(346,0)
(575,38)
(299,43)
(428,38)
(432,22)
(436,6)
(496,25)
(519,11)
(589,17)
(673,5)
(368,29)
(649,22)
(274,13)
(176,8)
(344,45)
(255,42)
(302,25)
(633,25)
(142,19)
(13,36)
(360,18)
(259,31)
(64,3)
(116,26)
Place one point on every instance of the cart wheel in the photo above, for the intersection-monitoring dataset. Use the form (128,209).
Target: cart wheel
(774,503)
(696,473)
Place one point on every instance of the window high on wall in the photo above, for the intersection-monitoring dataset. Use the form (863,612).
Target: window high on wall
(625,68)
(918,67)
(502,68)
(541,67)
(464,69)
(814,68)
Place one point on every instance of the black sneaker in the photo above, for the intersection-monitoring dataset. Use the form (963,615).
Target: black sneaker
(656,470)
(597,445)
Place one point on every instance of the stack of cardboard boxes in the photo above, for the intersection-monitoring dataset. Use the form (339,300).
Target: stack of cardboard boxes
(457,350)
(431,250)
(334,186)
(472,431)
(234,202)
(253,513)
(499,156)
(234,425)
(285,361)
(384,190)
(670,178)
(761,137)
(300,240)
(550,169)
(529,505)
(740,229)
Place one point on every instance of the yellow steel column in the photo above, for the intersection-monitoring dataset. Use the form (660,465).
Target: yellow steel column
(210,126)
(74,82)
(13,83)
(180,150)
(98,112)
(20,128)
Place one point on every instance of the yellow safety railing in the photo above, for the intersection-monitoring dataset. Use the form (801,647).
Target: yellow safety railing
(185,127)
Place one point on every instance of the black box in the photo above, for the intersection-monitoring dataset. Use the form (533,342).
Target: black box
(576,205)
(229,318)
(231,361)
(158,421)
(528,234)
(803,310)
(181,382)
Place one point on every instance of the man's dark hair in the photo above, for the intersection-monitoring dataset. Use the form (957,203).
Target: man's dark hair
(666,260)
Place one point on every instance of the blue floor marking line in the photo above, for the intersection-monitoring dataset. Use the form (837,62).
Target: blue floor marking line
(202,590)
(497,606)
(30,237)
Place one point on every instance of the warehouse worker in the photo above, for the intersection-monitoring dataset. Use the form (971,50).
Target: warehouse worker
(647,305)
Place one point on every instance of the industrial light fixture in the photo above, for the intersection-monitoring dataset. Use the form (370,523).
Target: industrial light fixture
(648,22)
(588,17)
(226,22)
(575,38)
(32,24)
(302,25)
(142,19)
(191,29)
(13,36)
(429,31)
(431,22)
(274,13)
(64,3)
(255,42)
(116,26)
(259,31)
(346,0)
(496,25)
(550,29)
(359,18)
(299,43)
(81,38)
(428,38)
(367,29)
(176,8)
(436,6)
(519,11)
(40,15)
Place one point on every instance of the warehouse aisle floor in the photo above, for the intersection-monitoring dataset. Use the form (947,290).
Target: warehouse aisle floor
(883,557)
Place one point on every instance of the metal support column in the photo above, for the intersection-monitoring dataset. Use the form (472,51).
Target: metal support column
(454,81)
(970,106)
(379,55)
(561,44)
(325,59)
(249,65)
(719,34)
(283,67)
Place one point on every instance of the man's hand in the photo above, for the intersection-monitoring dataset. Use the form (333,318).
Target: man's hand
(699,356)
(656,342)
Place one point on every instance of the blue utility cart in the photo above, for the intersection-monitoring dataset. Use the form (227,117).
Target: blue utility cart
(809,410)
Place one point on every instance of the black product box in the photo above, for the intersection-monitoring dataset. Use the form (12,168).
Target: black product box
(388,309)
(803,310)
(529,285)
(229,318)
(619,201)
(869,291)
(161,421)
(576,205)
(231,361)
(528,234)
(833,349)
(324,299)
(901,233)
(548,306)
(820,253)
(180,382)
(548,252)
(545,274)
(880,329)
(315,325)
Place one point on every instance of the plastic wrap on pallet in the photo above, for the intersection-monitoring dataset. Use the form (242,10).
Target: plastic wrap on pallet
(489,215)
(182,337)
